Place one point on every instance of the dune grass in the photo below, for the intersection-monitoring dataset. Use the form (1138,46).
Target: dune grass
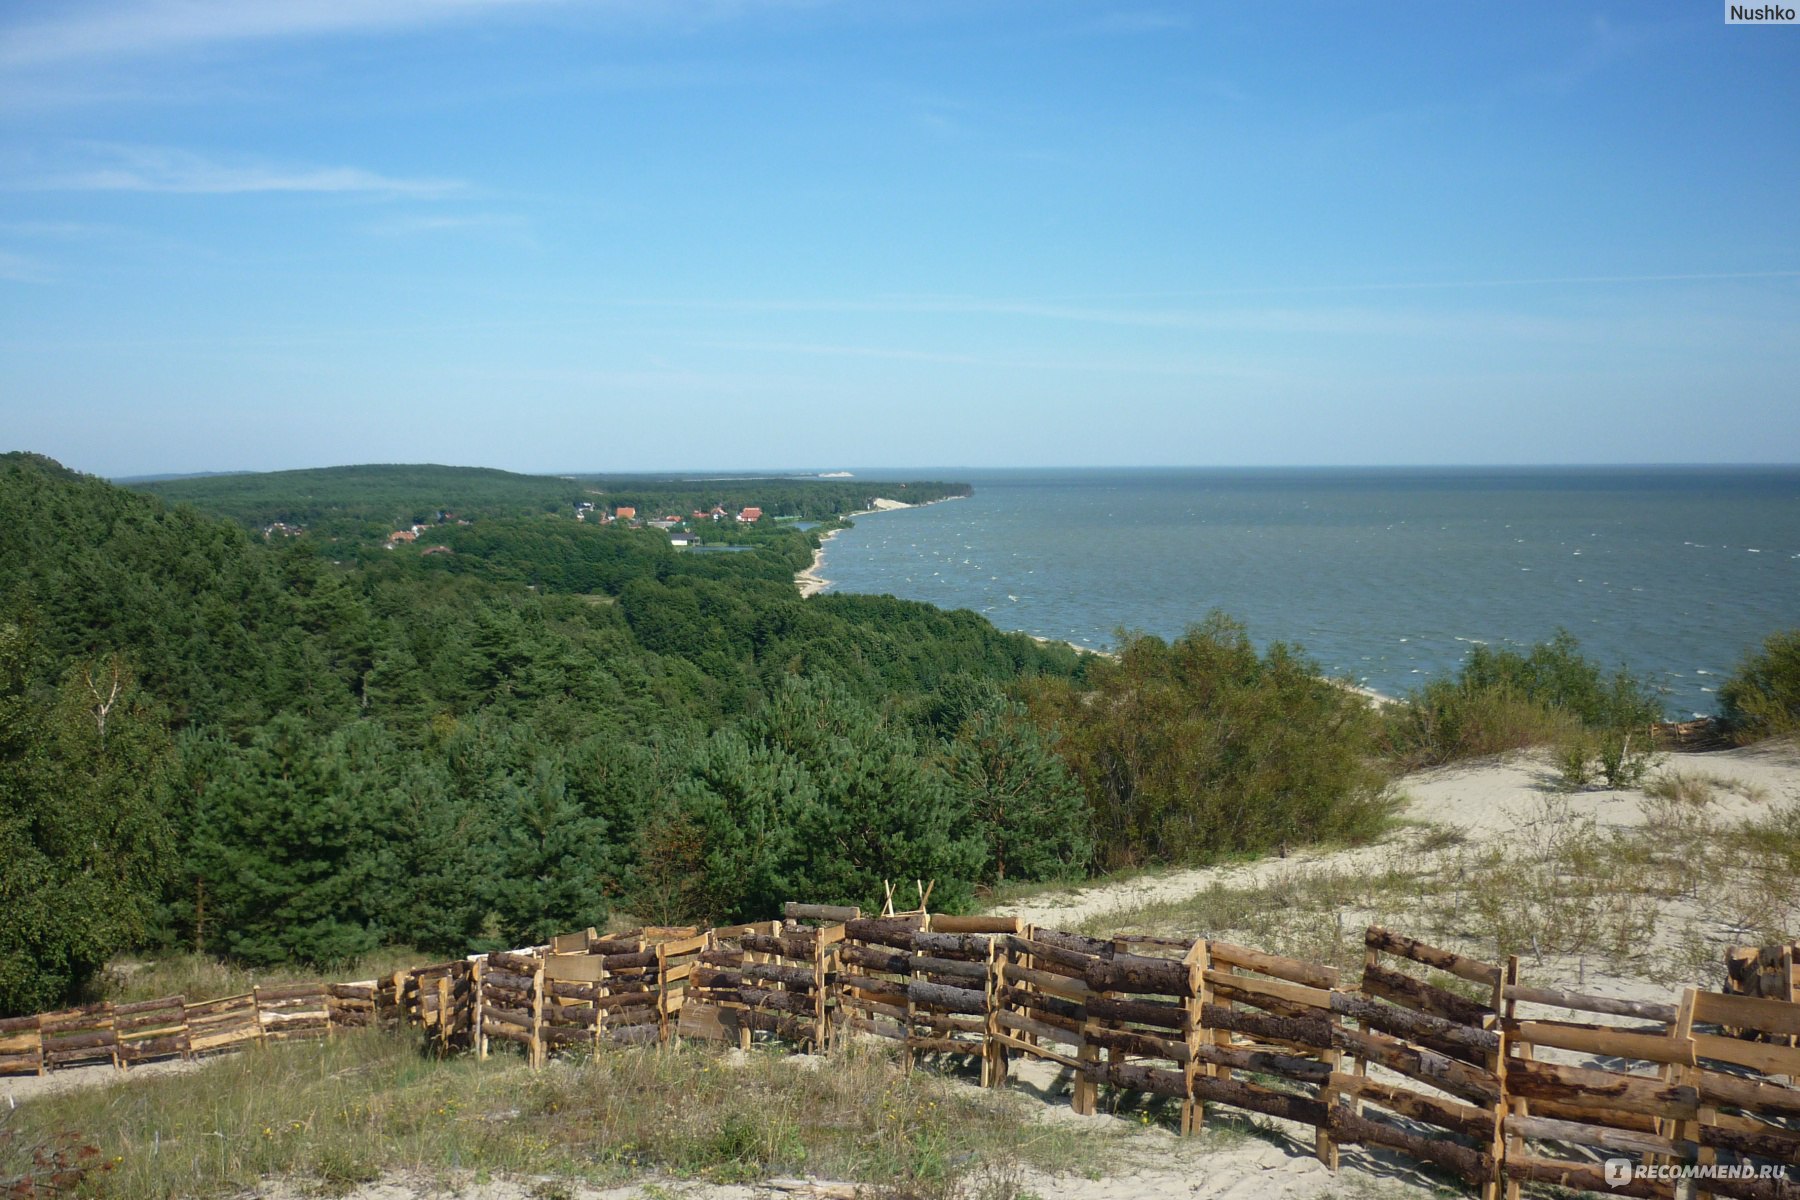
(204,977)
(329,1116)
(1659,900)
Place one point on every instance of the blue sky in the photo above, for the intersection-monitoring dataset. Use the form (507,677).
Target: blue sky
(635,235)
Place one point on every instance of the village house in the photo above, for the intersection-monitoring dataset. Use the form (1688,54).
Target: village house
(750,516)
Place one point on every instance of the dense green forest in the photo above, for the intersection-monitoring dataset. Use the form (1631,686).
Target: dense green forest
(299,748)
(275,750)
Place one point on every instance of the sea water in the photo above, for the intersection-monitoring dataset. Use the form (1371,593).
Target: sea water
(1386,576)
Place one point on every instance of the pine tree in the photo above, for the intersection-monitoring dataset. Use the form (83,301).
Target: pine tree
(438,864)
(724,849)
(1031,810)
(874,812)
(554,858)
(82,842)
(287,844)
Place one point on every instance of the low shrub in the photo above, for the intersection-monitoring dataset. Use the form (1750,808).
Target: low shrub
(1199,748)
(1762,697)
(1502,700)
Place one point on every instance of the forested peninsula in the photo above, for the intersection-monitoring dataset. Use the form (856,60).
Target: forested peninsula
(241,715)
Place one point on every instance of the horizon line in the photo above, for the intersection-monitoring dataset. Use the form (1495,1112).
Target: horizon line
(818,472)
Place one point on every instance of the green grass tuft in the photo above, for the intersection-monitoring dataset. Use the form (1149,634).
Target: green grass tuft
(336,1114)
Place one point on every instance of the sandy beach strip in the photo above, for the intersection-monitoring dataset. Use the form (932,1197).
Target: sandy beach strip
(809,581)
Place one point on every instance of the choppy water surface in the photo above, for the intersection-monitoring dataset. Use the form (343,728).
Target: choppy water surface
(1386,576)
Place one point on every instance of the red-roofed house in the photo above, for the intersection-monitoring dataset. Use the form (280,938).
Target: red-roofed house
(625,512)
(750,515)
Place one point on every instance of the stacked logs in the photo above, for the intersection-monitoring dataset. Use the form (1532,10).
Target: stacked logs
(228,1023)
(773,977)
(442,1000)
(1440,1048)
(295,1010)
(79,1037)
(574,986)
(630,1002)
(1270,1017)
(1040,997)
(923,981)
(151,1029)
(1663,1088)
(354,1005)
(509,1001)
(21,1046)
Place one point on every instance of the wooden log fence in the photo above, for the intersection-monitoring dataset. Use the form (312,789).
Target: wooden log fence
(1769,973)
(1430,1054)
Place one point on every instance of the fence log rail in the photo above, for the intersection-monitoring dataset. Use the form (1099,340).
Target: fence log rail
(1426,1054)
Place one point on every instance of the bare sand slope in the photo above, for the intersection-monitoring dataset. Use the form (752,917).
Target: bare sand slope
(1496,800)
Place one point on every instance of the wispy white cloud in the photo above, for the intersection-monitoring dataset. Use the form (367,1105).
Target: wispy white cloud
(1321,320)
(81,30)
(1186,368)
(55,230)
(20,268)
(1431,285)
(114,168)
(508,228)
(125,28)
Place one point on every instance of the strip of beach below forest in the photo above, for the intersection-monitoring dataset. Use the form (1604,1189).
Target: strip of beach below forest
(809,581)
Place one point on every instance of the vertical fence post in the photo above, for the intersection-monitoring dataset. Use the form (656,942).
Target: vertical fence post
(1790,983)
(662,993)
(1199,961)
(1501,1005)
(1323,1143)
(537,1015)
(993,1053)
(821,1031)
(1087,1093)
(1510,1105)
(602,989)
(478,1033)
(1689,1131)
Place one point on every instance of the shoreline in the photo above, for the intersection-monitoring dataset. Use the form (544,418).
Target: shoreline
(810,582)
(1050,641)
